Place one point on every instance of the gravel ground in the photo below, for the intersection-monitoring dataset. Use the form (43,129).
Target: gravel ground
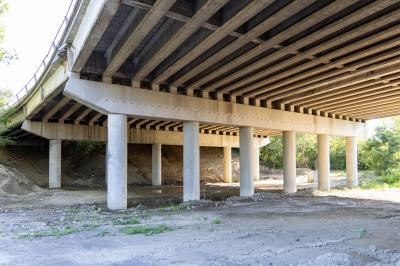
(268,229)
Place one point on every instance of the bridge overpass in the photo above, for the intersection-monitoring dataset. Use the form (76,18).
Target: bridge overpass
(222,73)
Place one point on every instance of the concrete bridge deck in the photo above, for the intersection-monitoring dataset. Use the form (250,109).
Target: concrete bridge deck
(214,73)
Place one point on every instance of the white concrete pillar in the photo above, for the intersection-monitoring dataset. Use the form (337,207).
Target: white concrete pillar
(289,162)
(156,164)
(191,161)
(323,162)
(246,142)
(351,162)
(228,164)
(256,163)
(54,163)
(117,162)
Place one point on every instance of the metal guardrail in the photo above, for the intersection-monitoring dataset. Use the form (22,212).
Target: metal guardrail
(54,48)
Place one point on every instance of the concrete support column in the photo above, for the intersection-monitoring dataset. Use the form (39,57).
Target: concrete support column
(156,164)
(228,164)
(246,161)
(191,161)
(54,163)
(256,163)
(289,162)
(117,162)
(323,162)
(351,162)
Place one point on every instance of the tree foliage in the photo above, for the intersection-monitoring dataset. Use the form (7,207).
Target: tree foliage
(381,153)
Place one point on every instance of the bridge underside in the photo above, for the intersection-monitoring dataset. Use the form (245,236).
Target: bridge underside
(220,73)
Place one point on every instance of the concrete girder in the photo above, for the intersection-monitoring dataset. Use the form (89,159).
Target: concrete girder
(206,11)
(331,93)
(111,98)
(138,136)
(183,18)
(291,49)
(231,25)
(98,16)
(262,27)
(152,17)
(70,111)
(64,101)
(298,73)
(295,92)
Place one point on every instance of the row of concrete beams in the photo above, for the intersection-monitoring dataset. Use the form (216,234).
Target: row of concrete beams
(259,85)
(249,170)
(136,122)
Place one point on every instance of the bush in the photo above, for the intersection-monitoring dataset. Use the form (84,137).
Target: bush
(386,181)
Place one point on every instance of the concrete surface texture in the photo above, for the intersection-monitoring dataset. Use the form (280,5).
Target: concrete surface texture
(269,228)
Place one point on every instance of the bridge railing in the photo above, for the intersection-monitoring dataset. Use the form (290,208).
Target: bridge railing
(54,48)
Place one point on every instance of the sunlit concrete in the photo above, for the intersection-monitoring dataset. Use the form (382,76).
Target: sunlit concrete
(351,162)
(156,164)
(289,162)
(323,162)
(246,161)
(117,162)
(54,163)
(228,164)
(191,161)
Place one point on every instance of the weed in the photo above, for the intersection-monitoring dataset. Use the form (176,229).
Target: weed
(52,232)
(131,220)
(89,227)
(382,182)
(145,229)
(216,221)
(103,233)
(362,232)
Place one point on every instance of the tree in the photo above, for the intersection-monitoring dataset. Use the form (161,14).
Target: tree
(381,153)
(5,56)
(338,153)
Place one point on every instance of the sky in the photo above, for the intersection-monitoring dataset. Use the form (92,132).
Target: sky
(30,28)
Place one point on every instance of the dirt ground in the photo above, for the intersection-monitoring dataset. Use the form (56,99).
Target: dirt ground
(308,228)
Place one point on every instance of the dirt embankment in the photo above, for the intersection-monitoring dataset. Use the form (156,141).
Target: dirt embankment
(25,169)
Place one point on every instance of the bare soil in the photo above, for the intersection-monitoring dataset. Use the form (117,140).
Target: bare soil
(308,228)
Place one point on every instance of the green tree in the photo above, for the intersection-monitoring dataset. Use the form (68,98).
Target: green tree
(5,56)
(381,153)
(271,154)
(306,152)
(338,153)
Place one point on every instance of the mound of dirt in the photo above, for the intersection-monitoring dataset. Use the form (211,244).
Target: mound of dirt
(14,183)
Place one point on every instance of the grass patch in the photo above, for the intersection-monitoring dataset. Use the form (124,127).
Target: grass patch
(216,221)
(52,232)
(145,229)
(132,220)
(174,207)
(382,182)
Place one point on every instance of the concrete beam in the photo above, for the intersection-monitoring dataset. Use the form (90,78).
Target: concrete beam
(138,136)
(111,98)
